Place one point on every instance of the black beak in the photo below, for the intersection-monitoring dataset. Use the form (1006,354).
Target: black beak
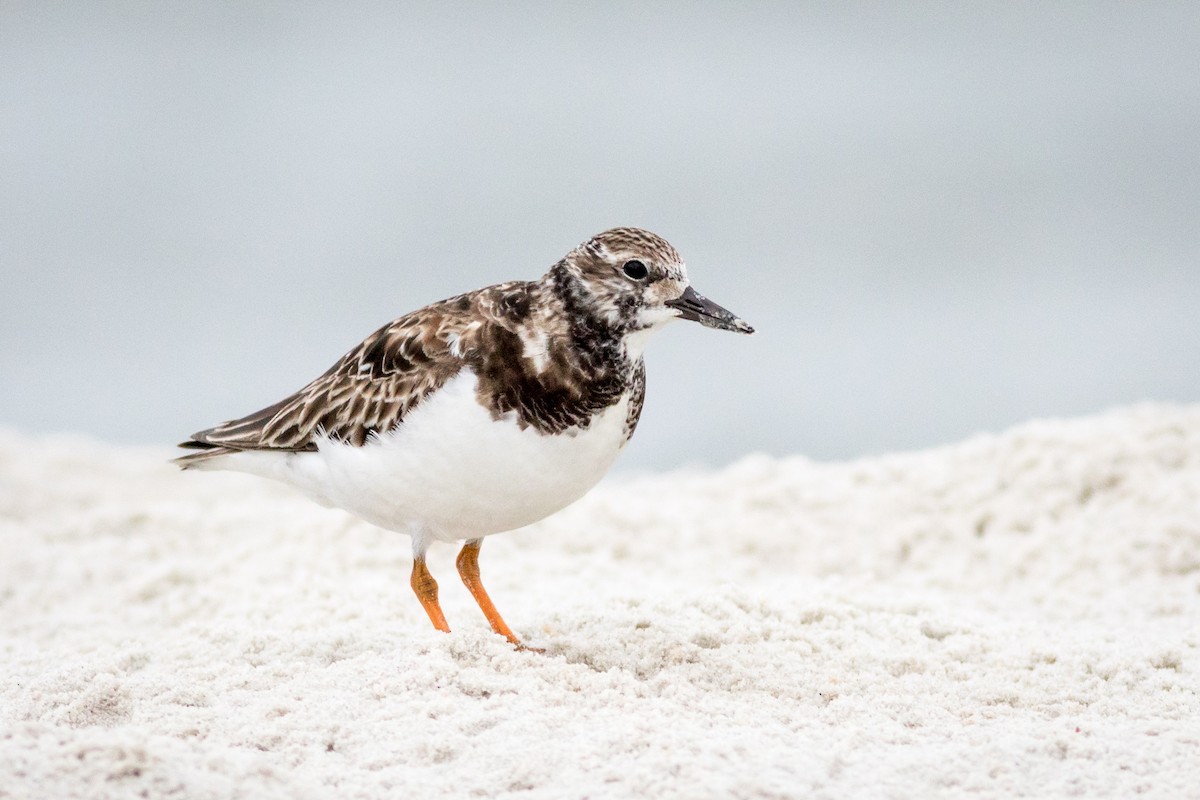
(698,308)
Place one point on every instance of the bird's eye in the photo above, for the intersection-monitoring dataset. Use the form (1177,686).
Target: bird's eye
(636,270)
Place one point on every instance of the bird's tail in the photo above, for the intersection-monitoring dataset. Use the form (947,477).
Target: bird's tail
(207,453)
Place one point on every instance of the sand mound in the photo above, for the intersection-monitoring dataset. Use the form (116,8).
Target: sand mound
(1016,614)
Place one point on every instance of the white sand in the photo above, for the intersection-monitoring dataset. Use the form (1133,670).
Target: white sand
(1015,615)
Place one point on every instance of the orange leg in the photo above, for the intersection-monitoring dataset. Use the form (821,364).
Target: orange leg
(468,569)
(426,588)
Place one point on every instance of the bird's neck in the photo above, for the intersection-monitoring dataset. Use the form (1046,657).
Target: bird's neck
(597,342)
(550,361)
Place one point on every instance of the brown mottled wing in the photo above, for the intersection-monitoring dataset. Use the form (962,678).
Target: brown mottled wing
(369,390)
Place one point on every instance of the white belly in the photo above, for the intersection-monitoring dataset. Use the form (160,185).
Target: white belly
(450,471)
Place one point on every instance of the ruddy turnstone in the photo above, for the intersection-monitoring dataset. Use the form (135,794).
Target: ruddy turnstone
(478,414)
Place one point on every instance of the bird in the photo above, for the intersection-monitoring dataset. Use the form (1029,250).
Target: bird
(481,413)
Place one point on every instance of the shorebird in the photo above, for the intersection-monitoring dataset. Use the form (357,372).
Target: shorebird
(481,413)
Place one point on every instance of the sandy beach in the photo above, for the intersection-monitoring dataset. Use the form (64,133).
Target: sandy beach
(1014,615)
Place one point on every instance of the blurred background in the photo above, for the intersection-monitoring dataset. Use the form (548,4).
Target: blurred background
(941,217)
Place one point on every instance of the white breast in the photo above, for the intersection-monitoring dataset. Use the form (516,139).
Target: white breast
(450,471)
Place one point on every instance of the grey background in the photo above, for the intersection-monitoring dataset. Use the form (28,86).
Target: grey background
(941,217)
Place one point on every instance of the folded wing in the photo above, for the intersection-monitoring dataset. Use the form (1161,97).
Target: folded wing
(368,391)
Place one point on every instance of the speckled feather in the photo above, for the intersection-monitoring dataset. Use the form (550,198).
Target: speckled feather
(549,352)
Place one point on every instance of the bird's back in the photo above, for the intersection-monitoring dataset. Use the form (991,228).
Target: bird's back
(371,389)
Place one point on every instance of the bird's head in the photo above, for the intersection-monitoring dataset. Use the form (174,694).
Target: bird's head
(635,282)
